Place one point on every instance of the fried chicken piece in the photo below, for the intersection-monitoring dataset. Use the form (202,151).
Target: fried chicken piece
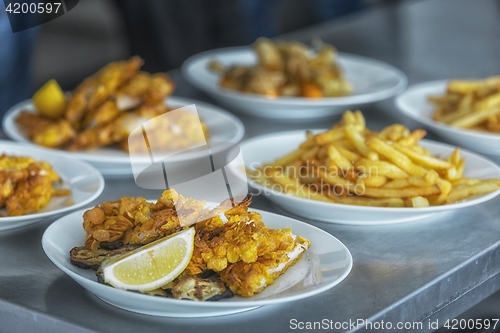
(173,132)
(25,184)
(95,90)
(117,130)
(247,279)
(45,132)
(137,221)
(244,237)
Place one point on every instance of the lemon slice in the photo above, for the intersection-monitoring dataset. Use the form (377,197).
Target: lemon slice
(50,100)
(153,265)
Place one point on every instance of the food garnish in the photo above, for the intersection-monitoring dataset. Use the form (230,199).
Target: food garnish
(153,265)
(50,101)
(105,108)
(234,252)
(27,185)
(350,164)
(287,69)
(470,104)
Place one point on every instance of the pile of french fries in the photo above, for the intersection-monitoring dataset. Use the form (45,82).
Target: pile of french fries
(349,164)
(472,104)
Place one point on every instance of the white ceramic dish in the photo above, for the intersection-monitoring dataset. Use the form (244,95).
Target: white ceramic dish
(413,103)
(332,259)
(258,150)
(85,182)
(373,81)
(222,125)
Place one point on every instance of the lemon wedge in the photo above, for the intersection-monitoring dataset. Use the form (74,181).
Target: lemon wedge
(153,265)
(50,101)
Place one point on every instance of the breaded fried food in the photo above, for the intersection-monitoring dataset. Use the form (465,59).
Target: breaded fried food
(106,107)
(230,240)
(44,131)
(137,221)
(98,88)
(26,186)
(287,69)
(248,279)
(246,253)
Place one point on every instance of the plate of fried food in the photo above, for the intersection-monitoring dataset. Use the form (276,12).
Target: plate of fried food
(466,112)
(35,185)
(191,258)
(349,174)
(94,122)
(290,80)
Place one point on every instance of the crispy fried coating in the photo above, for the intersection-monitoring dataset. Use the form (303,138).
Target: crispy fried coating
(95,90)
(137,221)
(247,279)
(45,132)
(229,239)
(287,69)
(105,108)
(26,185)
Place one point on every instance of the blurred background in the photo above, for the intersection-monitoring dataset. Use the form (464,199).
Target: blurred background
(164,33)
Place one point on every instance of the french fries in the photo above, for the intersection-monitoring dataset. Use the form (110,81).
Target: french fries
(470,104)
(349,164)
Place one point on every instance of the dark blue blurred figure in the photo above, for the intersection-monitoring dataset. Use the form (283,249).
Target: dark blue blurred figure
(262,17)
(16,51)
(325,10)
(166,32)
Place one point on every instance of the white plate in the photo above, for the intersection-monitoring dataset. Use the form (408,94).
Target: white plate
(413,103)
(222,125)
(85,182)
(373,81)
(333,258)
(258,150)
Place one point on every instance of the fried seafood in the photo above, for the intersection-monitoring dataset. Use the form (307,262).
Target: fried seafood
(26,185)
(231,244)
(287,69)
(106,107)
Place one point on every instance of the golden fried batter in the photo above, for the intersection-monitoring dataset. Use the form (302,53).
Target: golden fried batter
(229,240)
(105,108)
(137,221)
(26,186)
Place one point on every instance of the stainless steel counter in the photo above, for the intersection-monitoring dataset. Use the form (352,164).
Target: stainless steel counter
(414,272)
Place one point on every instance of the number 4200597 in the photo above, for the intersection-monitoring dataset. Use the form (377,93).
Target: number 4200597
(32,8)
(471,324)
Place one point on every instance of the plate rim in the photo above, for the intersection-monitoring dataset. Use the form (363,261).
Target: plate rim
(423,210)
(296,101)
(118,161)
(43,215)
(210,305)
